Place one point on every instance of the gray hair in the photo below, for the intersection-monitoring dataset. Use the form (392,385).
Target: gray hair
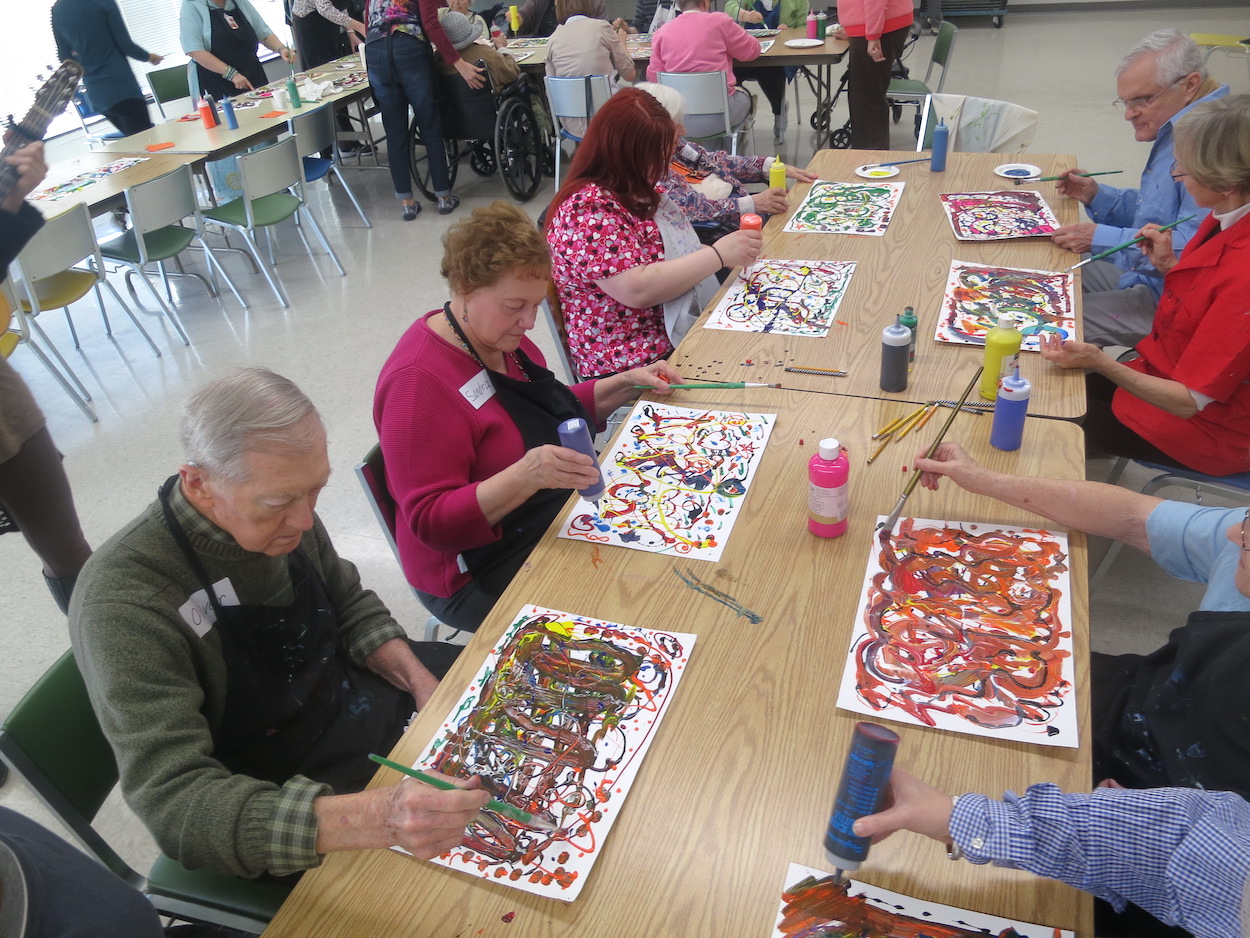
(684,5)
(246,410)
(1176,55)
(670,99)
(1213,143)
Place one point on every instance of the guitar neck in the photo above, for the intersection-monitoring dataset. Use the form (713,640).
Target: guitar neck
(49,102)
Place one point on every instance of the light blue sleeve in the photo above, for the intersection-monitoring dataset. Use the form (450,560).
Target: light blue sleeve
(1179,853)
(193,29)
(1189,542)
(1112,210)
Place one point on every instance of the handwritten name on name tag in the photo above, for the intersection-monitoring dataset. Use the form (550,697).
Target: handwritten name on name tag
(478,390)
(197,611)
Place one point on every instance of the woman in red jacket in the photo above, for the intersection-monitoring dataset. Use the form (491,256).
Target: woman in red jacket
(1186,400)
(876,30)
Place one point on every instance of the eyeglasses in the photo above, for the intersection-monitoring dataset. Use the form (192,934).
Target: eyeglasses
(1243,533)
(1174,174)
(1137,104)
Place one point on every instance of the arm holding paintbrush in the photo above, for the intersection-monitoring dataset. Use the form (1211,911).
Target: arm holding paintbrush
(1093,507)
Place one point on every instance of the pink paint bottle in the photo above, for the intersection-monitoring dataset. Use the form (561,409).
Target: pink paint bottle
(827,475)
(811,24)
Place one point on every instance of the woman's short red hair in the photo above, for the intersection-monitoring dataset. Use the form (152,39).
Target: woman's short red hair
(626,150)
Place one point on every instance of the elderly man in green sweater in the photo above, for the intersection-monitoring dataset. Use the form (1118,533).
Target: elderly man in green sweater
(240,671)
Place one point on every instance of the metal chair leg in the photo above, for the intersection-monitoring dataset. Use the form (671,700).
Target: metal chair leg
(60,379)
(34,324)
(138,325)
(312,223)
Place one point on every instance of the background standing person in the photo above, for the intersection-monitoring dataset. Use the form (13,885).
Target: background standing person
(93,34)
(402,73)
(877,31)
(585,45)
(326,36)
(34,491)
(772,79)
(221,37)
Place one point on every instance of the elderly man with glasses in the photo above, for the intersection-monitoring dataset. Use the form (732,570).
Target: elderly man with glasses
(1160,78)
(1178,716)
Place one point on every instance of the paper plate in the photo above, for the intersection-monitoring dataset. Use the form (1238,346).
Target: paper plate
(804,43)
(1017,170)
(876,172)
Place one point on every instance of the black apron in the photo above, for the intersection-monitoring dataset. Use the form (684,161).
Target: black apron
(537,407)
(293,705)
(1179,716)
(234,41)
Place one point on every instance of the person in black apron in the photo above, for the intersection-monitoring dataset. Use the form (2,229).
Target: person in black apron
(229,64)
(492,305)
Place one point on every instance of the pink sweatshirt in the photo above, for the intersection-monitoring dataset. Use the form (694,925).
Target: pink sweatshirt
(873,18)
(701,42)
(438,447)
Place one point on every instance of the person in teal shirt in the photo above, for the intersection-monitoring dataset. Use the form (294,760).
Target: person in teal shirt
(772,79)
(93,34)
(221,37)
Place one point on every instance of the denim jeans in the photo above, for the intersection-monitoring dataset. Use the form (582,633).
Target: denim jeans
(402,73)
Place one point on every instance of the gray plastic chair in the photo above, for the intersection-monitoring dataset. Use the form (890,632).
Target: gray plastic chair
(575,99)
(315,132)
(707,94)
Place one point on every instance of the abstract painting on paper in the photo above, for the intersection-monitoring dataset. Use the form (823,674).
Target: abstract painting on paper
(847,208)
(784,297)
(814,903)
(994,216)
(675,481)
(968,628)
(556,722)
(1039,300)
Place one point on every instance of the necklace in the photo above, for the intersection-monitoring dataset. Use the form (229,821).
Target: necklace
(464,341)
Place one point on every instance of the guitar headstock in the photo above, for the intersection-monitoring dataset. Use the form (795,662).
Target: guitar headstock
(49,102)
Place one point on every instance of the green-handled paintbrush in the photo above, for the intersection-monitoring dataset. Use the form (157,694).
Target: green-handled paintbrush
(499,807)
(1105,172)
(1127,244)
(711,385)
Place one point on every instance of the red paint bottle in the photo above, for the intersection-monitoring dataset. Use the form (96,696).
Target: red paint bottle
(827,501)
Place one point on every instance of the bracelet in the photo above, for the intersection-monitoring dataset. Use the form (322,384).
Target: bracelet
(718,257)
(229,73)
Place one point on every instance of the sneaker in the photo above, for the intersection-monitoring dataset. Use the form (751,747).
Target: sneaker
(410,212)
(781,122)
(447,204)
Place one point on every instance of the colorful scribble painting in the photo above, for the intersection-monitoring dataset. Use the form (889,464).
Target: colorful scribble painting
(676,479)
(994,216)
(1039,300)
(784,297)
(815,905)
(966,627)
(847,208)
(556,722)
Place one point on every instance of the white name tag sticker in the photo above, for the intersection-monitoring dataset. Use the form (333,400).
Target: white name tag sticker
(197,611)
(478,390)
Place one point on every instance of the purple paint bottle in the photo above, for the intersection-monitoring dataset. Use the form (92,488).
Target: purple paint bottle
(574,434)
(865,780)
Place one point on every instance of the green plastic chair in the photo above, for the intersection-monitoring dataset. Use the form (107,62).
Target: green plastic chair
(53,742)
(273,191)
(169,84)
(157,208)
(912,91)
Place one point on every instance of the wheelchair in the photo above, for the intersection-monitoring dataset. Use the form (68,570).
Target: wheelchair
(494,128)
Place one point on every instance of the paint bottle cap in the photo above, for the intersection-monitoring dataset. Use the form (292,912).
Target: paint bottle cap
(830,448)
(1006,322)
(751,223)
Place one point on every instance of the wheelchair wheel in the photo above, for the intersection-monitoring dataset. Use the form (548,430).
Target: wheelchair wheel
(482,159)
(519,148)
(896,111)
(421,163)
(840,139)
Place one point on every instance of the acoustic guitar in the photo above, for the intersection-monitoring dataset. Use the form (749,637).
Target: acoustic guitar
(49,102)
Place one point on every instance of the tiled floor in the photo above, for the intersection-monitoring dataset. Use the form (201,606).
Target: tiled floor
(334,338)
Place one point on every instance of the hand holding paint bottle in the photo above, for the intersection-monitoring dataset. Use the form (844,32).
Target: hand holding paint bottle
(749,223)
(862,791)
(574,434)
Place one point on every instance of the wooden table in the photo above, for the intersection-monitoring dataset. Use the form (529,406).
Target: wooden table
(106,193)
(191,137)
(907,266)
(741,776)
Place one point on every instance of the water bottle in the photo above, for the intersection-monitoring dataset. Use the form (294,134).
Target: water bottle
(827,474)
(227,111)
(910,322)
(1002,345)
(941,138)
(895,339)
(1010,409)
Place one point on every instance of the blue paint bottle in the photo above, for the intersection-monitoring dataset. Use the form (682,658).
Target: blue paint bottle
(227,111)
(1010,408)
(574,434)
(941,139)
(861,792)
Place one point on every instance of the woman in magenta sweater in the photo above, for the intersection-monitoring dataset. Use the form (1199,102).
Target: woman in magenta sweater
(876,30)
(467,416)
